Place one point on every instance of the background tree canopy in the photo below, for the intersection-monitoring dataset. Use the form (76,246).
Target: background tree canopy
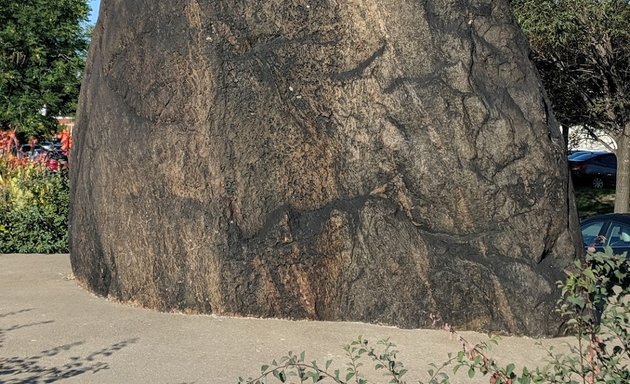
(43,45)
(582,51)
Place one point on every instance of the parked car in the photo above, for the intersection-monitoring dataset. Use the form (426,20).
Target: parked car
(51,145)
(608,230)
(31,152)
(48,153)
(597,169)
(612,229)
(572,152)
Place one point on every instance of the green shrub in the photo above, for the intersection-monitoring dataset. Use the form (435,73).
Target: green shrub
(34,204)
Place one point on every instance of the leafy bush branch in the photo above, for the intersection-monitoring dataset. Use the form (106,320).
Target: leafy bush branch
(294,368)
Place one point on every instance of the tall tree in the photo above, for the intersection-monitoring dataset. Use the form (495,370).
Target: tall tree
(582,51)
(43,46)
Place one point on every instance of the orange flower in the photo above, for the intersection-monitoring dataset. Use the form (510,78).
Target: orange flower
(66,141)
(8,140)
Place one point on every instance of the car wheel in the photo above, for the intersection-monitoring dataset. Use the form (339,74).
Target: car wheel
(597,183)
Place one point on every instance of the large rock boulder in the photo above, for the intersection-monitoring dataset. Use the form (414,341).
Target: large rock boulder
(387,161)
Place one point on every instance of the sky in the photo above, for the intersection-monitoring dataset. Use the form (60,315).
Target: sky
(94,4)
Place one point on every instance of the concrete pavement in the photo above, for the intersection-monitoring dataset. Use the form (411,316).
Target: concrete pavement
(52,330)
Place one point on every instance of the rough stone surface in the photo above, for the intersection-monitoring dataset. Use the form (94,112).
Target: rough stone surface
(386,161)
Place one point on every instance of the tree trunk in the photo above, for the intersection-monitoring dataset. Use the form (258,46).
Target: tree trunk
(622,189)
(384,161)
(565,137)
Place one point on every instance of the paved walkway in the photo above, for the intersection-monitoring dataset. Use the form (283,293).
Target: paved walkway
(51,330)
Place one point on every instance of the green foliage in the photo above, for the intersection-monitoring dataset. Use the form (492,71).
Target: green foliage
(43,45)
(591,201)
(34,205)
(582,50)
(595,302)
(295,369)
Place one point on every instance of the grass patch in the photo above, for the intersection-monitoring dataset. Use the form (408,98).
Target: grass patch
(591,201)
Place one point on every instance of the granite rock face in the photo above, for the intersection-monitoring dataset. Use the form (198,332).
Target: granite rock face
(386,161)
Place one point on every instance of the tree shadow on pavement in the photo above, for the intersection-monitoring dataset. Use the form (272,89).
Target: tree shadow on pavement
(4,331)
(2,315)
(32,369)
(36,369)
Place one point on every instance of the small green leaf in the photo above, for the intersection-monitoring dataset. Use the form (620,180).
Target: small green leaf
(588,272)
(577,300)
(471,372)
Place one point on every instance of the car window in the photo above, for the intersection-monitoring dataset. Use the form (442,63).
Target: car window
(619,235)
(610,160)
(591,231)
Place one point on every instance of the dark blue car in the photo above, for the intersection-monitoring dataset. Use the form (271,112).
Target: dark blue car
(612,230)
(597,169)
